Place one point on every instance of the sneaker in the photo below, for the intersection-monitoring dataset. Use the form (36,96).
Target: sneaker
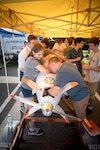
(22,109)
(71,125)
(37,132)
(89,111)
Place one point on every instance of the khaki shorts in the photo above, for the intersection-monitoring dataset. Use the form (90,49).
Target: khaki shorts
(80,107)
(92,88)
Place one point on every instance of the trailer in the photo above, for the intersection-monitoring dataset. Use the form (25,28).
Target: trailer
(11,47)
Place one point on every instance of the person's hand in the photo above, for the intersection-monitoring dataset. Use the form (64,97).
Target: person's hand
(78,58)
(54,91)
(86,67)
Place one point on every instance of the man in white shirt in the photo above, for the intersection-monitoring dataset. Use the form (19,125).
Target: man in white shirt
(92,71)
(59,47)
(32,40)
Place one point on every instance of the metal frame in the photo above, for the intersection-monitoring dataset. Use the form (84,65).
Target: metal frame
(15,20)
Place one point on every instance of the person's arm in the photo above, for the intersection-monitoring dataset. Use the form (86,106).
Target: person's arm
(21,64)
(88,67)
(74,59)
(22,69)
(79,56)
(54,91)
(42,69)
(21,60)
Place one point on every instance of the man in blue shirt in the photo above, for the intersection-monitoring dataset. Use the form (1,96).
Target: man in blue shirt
(66,72)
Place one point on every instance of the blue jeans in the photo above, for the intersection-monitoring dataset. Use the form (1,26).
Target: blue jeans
(26,92)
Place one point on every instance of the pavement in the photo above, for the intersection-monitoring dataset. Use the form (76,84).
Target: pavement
(8,85)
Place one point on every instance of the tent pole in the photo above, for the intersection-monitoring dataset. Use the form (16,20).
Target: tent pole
(4,64)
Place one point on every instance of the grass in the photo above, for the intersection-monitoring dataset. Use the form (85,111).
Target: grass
(9,64)
(85,54)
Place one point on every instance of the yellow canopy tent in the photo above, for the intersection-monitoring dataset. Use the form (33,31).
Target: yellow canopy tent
(52,18)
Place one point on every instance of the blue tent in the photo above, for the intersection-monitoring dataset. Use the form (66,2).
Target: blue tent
(9,33)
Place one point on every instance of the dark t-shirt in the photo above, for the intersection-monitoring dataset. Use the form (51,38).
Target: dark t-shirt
(71,54)
(68,73)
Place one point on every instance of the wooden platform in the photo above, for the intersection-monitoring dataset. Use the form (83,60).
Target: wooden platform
(56,135)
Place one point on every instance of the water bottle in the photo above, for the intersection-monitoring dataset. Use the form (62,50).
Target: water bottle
(10,121)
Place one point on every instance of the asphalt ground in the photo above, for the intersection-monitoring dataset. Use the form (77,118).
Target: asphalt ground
(6,89)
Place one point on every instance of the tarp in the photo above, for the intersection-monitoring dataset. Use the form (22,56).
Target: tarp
(52,18)
(9,33)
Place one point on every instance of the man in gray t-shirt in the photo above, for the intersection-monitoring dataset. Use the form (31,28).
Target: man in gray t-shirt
(67,72)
